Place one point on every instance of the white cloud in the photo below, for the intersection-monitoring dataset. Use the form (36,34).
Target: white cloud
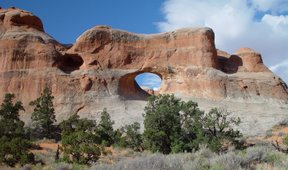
(274,6)
(279,24)
(258,24)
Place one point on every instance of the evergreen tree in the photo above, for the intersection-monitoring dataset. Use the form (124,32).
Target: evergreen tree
(14,145)
(132,137)
(104,129)
(192,132)
(218,125)
(78,140)
(75,124)
(162,123)
(43,115)
(172,125)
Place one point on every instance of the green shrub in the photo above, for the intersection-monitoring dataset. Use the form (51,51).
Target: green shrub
(218,124)
(275,158)
(228,161)
(285,140)
(260,156)
(131,137)
(172,125)
(257,153)
(78,141)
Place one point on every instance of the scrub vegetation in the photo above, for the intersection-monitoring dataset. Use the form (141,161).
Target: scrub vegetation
(177,135)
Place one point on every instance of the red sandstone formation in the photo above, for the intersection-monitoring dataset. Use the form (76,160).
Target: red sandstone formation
(99,70)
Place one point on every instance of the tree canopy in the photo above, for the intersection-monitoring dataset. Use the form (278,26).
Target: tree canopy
(43,116)
(79,141)
(104,129)
(14,144)
(172,125)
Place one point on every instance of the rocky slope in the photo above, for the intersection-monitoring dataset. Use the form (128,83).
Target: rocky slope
(99,71)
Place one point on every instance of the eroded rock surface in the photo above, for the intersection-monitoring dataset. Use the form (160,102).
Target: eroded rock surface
(99,71)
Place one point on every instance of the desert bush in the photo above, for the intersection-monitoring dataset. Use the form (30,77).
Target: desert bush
(65,166)
(228,161)
(275,160)
(264,154)
(54,166)
(282,165)
(258,153)
(199,159)
(197,163)
(155,162)
(285,140)
(275,157)
(101,166)
(204,151)
(259,156)
(62,166)
(27,167)
(269,133)
(284,122)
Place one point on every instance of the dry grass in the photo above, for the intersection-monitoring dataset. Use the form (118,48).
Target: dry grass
(262,156)
(251,158)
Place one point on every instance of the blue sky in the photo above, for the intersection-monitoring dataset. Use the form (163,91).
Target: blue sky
(149,80)
(259,24)
(65,20)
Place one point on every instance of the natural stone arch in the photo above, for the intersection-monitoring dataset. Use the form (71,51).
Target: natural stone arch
(130,89)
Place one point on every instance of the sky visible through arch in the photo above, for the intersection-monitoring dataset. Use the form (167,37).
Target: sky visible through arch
(149,81)
(259,24)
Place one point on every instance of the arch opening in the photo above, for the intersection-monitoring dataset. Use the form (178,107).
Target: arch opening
(139,85)
(149,82)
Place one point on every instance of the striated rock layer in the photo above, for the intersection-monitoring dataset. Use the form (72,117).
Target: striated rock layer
(99,71)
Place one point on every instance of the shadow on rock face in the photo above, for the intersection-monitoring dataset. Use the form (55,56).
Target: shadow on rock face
(230,65)
(70,62)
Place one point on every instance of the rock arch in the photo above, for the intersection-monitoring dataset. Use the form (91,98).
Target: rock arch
(99,70)
(129,88)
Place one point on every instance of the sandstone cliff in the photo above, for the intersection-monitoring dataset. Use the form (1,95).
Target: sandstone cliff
(99,71)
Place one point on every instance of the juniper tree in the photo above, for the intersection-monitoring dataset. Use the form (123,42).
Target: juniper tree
(132,137)
(104,129)
(79,143)
(14,145)
(219,125)
(162,123)
(174,125)
(43,116)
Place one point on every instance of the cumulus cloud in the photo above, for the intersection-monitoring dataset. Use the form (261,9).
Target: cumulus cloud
(275,6)
(149,80)
(258,24)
